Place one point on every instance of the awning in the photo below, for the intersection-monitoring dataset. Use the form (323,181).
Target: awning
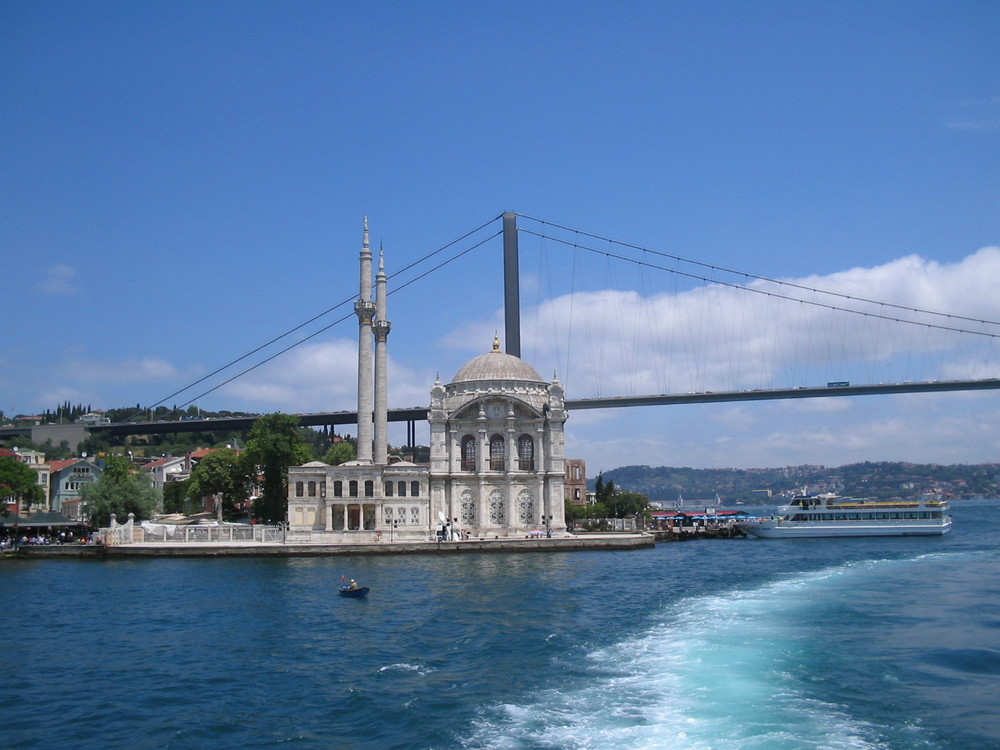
(11,519)
(49,518)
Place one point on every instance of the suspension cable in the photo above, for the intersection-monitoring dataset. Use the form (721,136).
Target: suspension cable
(733,285)
(316,317)
(336,322)
(749,275)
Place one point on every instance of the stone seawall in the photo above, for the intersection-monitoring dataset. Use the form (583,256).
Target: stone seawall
(249,549)
(57,550)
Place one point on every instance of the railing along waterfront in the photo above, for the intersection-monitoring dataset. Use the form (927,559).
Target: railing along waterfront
(132,533)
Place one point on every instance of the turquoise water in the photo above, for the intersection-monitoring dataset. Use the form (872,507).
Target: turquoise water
(728,644)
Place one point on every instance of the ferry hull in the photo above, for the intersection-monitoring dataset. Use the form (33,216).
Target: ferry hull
(808,530)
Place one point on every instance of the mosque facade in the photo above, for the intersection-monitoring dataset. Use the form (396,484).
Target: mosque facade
(497,463)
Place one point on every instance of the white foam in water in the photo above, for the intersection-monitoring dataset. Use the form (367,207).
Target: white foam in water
(716,673)
(403,667)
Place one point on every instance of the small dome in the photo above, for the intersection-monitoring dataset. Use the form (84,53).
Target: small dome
(496,365)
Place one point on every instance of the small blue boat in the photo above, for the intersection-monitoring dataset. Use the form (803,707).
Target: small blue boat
(358,593)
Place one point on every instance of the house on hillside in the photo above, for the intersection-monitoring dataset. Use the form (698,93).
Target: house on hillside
(36,461)
(168,469)
(67,480)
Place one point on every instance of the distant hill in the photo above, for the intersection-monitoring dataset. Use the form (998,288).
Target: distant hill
(759,486)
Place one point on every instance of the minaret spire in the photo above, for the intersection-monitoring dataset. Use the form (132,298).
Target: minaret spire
(381,328)
(365,310)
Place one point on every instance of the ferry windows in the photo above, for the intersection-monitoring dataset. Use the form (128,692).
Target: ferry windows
(298,489)
(526,453)
(496,453)
(468,453)
(338,488)
(415,489)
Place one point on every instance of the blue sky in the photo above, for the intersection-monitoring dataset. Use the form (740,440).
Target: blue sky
(183,181)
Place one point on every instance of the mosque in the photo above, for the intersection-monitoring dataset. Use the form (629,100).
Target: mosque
(497,466)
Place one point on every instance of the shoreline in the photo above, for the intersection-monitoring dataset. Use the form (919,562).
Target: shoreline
(284,549)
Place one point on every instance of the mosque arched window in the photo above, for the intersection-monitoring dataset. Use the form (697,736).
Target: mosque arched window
(352,488)
(338,488)
(312,489)
(369,488)
(496,453)
(415,489)
(388,489)
(498,513)
(526,453)
(467,503)
(526,507)
(299,489)
(402,489)
(469,453)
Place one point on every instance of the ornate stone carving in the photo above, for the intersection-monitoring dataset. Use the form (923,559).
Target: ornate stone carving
(526,507)
(498,512)
(468,505)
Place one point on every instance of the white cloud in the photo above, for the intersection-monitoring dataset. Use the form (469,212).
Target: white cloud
(714,338)
(717,338)
(129,370)
(59,280)
(323,377)
(721,338)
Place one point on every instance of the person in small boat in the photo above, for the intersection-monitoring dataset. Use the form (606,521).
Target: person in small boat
(353,585)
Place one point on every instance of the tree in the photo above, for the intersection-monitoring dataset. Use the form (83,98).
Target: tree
(176,497)
(19,481)
(340,453)
(221,472)
(119,490)
(602,491)
(94,445)
(627,504)
(273,446)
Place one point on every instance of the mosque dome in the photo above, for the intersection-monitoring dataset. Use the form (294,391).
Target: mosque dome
(496,365)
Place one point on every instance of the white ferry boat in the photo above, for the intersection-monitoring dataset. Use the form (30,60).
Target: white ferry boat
(832,515)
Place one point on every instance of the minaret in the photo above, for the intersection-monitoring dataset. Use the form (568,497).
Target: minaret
(381,328)
(365,309)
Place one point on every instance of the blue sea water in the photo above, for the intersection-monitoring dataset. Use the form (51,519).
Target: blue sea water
(885,644)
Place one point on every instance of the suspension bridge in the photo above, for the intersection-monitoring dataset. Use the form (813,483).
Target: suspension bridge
(665,338)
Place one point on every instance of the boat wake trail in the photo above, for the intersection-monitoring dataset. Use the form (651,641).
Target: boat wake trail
(727,671)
